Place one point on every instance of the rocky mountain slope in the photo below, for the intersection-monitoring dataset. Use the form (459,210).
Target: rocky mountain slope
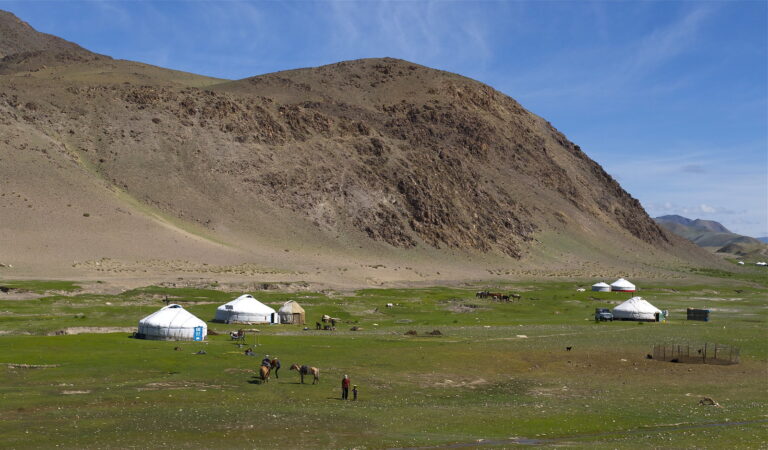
(359,161)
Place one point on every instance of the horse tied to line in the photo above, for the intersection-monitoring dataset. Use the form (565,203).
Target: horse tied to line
(306,370)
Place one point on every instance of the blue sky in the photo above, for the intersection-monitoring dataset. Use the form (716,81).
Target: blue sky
(671,97)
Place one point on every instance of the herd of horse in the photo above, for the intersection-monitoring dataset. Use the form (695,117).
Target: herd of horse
(498,296)
(265,372)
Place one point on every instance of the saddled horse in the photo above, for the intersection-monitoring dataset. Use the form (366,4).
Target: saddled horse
(264,372)
(306,370)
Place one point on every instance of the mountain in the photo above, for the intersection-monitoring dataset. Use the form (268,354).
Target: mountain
(763,239)
(18,38)
(121,167)
(698,224)
(713,235)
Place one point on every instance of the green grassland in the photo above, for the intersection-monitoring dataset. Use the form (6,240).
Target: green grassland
(498,375)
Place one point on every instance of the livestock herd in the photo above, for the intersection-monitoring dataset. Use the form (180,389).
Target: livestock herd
(498,296)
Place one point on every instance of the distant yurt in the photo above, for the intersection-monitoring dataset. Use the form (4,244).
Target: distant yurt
(622,285)
(636,308)
(292,312)
(245,309)
(601,287)
(172,323)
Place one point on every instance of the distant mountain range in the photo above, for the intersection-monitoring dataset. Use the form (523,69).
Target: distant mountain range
(714,236)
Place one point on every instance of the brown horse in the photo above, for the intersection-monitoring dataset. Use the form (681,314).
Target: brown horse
(306,370)
(264,371)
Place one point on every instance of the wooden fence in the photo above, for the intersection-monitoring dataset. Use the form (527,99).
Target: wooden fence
(706,353)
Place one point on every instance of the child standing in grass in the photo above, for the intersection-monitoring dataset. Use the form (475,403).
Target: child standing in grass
(354,392)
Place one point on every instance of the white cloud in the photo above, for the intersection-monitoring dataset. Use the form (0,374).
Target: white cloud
(610,69)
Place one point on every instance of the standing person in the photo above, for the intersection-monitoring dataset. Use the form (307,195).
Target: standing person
(354,392)
(345,388)
(276,365)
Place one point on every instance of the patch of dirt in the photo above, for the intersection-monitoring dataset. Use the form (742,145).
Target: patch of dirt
(75,392)
(31,366)
(158,386)
(461,307)
(94,330)
(461,383)
(236,370)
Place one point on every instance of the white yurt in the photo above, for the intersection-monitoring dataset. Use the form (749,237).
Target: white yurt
(292,312)
(636,308)
(172,323)
(601,287)
(622,285)
(245,309)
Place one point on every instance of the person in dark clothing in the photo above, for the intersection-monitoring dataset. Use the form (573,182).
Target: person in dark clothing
(276,366)
(266,362)
(345,388)
(354,392)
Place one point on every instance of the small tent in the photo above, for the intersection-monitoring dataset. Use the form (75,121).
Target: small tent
(245,309)
(172,323)
(636,308)
(622,285)
(292,312)
(601,287)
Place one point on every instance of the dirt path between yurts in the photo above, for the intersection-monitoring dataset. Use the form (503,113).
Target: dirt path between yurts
(95,330)
(523,336)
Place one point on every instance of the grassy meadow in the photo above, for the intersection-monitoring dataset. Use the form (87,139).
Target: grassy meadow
(498,375)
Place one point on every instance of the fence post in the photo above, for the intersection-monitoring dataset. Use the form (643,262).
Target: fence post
(715,351)
(705,353)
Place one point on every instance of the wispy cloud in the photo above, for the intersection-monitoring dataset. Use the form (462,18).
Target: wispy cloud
(607,69)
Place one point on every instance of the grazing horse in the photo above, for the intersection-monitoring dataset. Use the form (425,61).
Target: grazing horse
(306,370)
(264,371)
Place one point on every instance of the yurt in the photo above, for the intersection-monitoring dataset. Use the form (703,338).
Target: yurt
(292,312)
(601,287)
(622,285)
(245,309)
(172,323)
(636,308)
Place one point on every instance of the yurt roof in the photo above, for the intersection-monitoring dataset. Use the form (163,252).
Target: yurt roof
(291,307)
(246,303)
(621,282)
(637,305)
(174,316)
(601,284)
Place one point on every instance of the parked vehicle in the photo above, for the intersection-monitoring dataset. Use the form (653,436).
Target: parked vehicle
(603,315)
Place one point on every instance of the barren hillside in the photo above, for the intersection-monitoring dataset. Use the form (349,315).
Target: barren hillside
(298,173)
